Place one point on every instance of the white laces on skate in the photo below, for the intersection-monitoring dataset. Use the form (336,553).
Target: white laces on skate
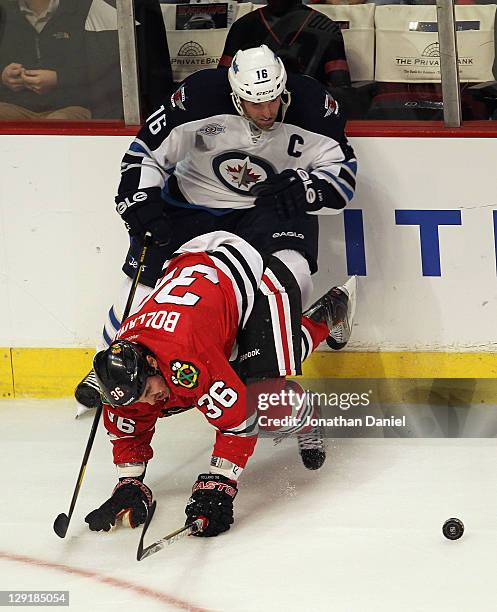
(91,380)
(311,440)
(340,331)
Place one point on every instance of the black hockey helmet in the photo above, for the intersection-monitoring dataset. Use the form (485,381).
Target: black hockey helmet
(122,371)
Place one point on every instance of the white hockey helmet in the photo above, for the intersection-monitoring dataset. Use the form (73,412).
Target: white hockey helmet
(256,75)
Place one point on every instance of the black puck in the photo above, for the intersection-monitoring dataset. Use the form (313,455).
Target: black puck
(453,528)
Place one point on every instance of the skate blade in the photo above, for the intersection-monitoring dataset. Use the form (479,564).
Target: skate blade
(81,410)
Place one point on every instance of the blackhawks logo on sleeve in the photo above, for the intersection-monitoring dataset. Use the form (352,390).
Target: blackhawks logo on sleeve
(185,374)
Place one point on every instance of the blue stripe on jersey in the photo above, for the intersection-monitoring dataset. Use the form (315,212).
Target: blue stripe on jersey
(346,188)
(137,148)
(167,197)
(113,319)
(106,337)
(352,165)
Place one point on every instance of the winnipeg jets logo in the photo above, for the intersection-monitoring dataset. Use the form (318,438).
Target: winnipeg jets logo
(238,171)
(242,174)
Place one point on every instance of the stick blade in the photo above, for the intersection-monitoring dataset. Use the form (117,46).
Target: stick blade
(150,515)
(61,525)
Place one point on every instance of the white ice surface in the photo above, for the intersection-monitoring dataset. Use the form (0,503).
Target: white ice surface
(362,534)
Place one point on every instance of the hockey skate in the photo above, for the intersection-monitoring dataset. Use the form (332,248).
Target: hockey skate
(87,394)
(337,308)
(311,448)
(311,444)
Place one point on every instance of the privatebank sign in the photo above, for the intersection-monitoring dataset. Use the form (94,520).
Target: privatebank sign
(428,221)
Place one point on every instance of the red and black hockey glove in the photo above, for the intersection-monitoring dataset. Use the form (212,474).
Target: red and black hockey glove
(292,193)
(212,497)
(129,496)
(143,211)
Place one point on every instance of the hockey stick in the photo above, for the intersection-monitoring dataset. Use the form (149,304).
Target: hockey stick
(61,523)
(192,528)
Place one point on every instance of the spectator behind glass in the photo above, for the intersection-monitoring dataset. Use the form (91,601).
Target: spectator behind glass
(59,59)
(42,60)
(154,64)
(307,41)
(102,48)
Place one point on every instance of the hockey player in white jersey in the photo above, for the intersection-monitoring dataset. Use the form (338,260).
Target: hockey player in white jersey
(248,150)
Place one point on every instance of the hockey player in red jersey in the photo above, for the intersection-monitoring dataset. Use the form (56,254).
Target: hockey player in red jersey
(174,353)
(249,150)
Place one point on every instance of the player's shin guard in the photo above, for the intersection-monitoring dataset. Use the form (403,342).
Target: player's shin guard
(337,309)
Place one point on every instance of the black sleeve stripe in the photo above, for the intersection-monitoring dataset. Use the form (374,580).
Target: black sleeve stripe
(229,268)
(306,349)
(134,154)
(243,262)
(142,146)
(346,175)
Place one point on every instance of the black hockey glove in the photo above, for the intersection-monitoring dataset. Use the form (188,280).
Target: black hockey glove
(292,193)
(212,497)
(143,211)
(131,495)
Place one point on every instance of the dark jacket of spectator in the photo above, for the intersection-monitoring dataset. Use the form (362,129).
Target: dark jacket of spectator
(59,47)
(307,41)
(80,42)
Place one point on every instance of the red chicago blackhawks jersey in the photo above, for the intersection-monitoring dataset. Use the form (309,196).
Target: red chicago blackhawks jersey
(190,322)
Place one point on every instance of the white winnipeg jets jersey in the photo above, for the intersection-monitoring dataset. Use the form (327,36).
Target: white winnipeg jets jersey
(197,151)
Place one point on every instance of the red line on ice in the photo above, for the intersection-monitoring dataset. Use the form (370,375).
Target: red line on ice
(108,580)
